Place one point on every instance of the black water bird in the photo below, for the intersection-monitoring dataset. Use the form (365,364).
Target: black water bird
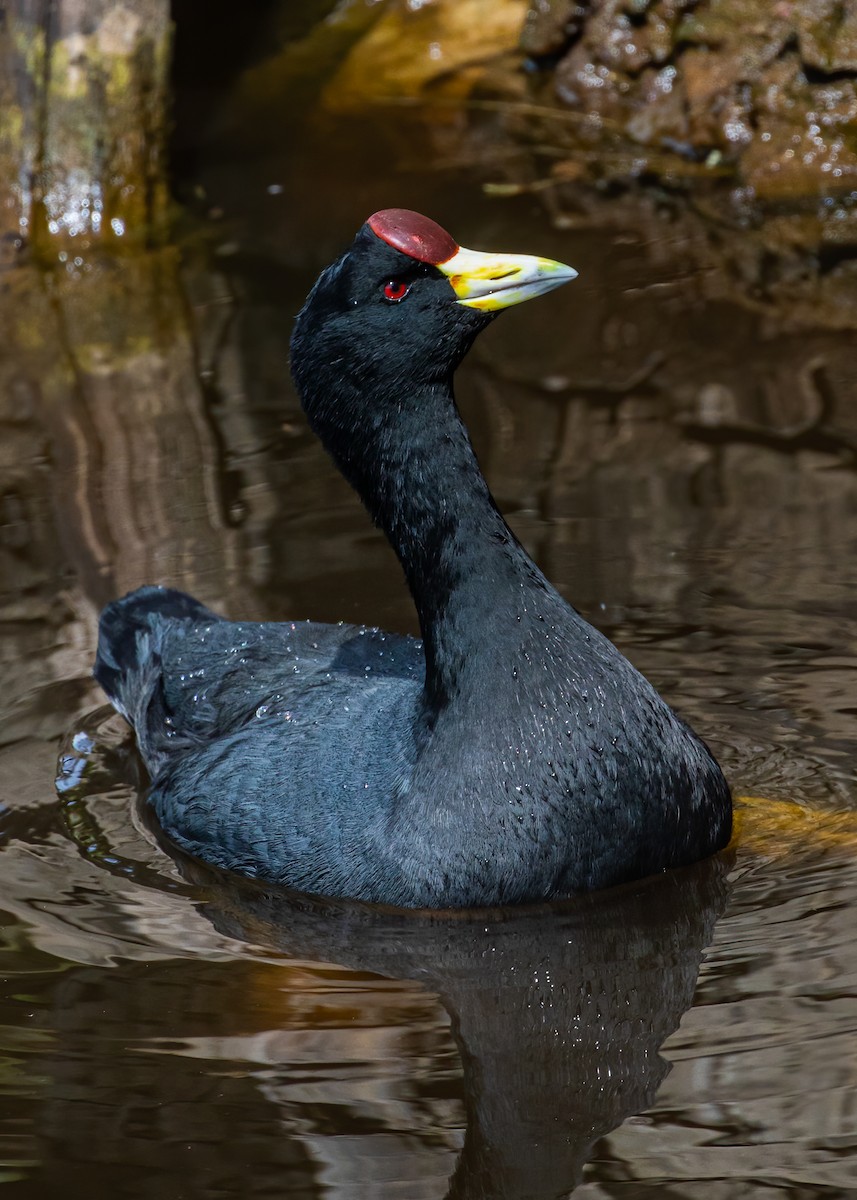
(511,755)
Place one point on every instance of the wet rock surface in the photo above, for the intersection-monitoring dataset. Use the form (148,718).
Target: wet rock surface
(769,89)
(738,118)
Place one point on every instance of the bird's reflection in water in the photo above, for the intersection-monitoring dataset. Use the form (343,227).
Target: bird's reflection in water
(558,1011)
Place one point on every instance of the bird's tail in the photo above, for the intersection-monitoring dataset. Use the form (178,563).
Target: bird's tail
(128,660)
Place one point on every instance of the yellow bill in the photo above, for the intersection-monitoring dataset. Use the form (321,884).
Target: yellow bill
(494,281)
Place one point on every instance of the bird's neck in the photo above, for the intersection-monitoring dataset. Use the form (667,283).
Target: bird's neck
(472,582)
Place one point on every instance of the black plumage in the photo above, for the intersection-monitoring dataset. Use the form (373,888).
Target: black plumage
(514,754)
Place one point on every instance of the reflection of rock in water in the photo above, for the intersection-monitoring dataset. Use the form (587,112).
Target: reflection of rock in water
(102,384)
(108,363)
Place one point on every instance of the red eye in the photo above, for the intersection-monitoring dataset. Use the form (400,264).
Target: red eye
(395,290)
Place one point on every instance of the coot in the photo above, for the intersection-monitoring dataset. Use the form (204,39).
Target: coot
(511,755)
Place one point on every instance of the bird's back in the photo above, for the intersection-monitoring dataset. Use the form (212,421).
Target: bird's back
(274,748)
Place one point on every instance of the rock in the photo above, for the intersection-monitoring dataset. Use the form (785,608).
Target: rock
(763,90)
(416,43)
(827,34)
(550,25)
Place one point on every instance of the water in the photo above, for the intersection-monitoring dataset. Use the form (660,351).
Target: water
(676,457)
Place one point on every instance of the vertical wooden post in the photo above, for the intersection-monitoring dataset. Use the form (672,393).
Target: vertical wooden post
(83,90)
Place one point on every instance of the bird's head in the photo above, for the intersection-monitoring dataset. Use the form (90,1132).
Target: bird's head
(402,306)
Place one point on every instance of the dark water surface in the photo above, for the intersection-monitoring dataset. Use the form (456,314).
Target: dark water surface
(166,1032)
